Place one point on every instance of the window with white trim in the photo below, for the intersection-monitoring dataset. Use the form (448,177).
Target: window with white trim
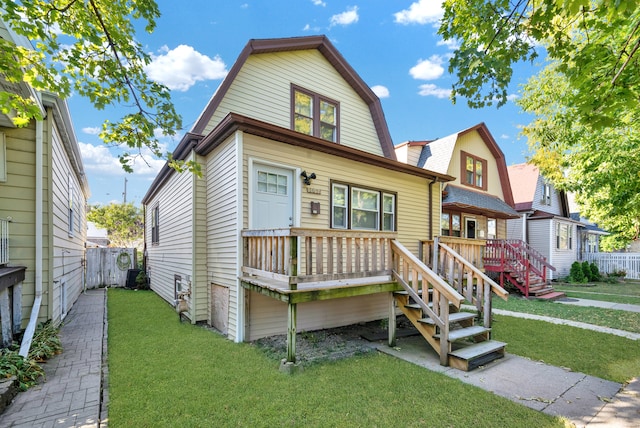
(546,194)
(360,208)
(564,236)
(492,228)
(155,225)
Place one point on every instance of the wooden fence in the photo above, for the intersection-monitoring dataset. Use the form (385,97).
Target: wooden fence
(615,262)
(109,266)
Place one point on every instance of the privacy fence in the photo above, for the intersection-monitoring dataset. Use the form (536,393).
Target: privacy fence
(109,266)
(616,262)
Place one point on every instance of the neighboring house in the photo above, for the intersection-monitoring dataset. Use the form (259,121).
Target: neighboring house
(300,205)
(589,235)
(477,204)
(43,194)
(545,222)
(96,237)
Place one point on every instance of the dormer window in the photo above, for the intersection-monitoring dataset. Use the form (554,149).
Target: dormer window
(313,114)
(474,171)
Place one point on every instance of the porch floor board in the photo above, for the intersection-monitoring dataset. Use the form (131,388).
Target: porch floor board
(325,290)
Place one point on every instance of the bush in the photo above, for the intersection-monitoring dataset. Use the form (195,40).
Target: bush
(45,345)
(142,282)
(576,273)
(595,273)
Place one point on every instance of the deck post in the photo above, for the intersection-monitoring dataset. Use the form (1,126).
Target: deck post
(391,325)
(291,332)
(436,248)
(5,314)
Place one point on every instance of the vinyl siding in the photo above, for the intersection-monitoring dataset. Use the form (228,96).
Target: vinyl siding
(537,204)
(173,255)
(514,228)
(267,316)
(262,90)
(68,250)
(223,214)
(473,144)
(200,298)
(562,259)
(18,202)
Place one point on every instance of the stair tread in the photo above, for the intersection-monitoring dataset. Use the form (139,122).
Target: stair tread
(478,349)
(454,317)
(462,333)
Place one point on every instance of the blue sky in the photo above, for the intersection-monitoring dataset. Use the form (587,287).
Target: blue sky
(393,45)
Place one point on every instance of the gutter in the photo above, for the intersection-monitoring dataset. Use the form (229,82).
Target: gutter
(35,310)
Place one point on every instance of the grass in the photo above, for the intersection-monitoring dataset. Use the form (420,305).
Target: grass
(612,318)
(627,292)
(166,373)
(597,354)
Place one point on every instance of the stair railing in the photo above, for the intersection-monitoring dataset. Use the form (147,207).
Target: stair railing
(518,259)
(468,280)
(427,289)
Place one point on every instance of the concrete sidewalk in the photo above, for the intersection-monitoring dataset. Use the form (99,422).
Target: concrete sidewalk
(72,394)
(585,400)
(600,304)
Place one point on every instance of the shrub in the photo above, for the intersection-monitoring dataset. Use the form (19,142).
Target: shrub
(141,281)
(45,344)
(595,272)
(576,273)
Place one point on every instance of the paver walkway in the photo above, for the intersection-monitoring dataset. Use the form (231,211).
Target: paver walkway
(71,396)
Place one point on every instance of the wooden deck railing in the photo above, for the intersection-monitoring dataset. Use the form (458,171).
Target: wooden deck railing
(298,255)
(466,278)
(470,249)
(427,289)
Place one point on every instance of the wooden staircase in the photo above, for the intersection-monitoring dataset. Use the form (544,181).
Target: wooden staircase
(520,266)
(432,302)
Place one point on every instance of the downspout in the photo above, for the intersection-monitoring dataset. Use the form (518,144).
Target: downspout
(35,310)
(431,209)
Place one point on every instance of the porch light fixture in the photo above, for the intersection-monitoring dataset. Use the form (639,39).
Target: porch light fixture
(308,177)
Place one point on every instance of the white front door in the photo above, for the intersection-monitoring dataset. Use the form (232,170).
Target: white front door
(272,195)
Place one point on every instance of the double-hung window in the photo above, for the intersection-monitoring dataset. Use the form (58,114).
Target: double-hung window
(359,208)
(474,171)
(563,236)
(313,114)
(155,225)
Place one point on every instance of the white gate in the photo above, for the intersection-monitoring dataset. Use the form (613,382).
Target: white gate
(107,267)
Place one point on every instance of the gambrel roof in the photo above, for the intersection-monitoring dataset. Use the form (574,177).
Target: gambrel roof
(202,140)
(324,46)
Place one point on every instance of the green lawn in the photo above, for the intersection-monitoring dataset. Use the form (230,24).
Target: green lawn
(622,320)
(626,292)
(166,373)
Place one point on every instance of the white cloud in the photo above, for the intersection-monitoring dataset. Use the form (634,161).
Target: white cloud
(450,44)
(504,137)
(319,3)
(431,90)
(182,67)
(512,97)
(421,12)
(350,16)
(100,160)
(428,69)
(92,130)
(380,91)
